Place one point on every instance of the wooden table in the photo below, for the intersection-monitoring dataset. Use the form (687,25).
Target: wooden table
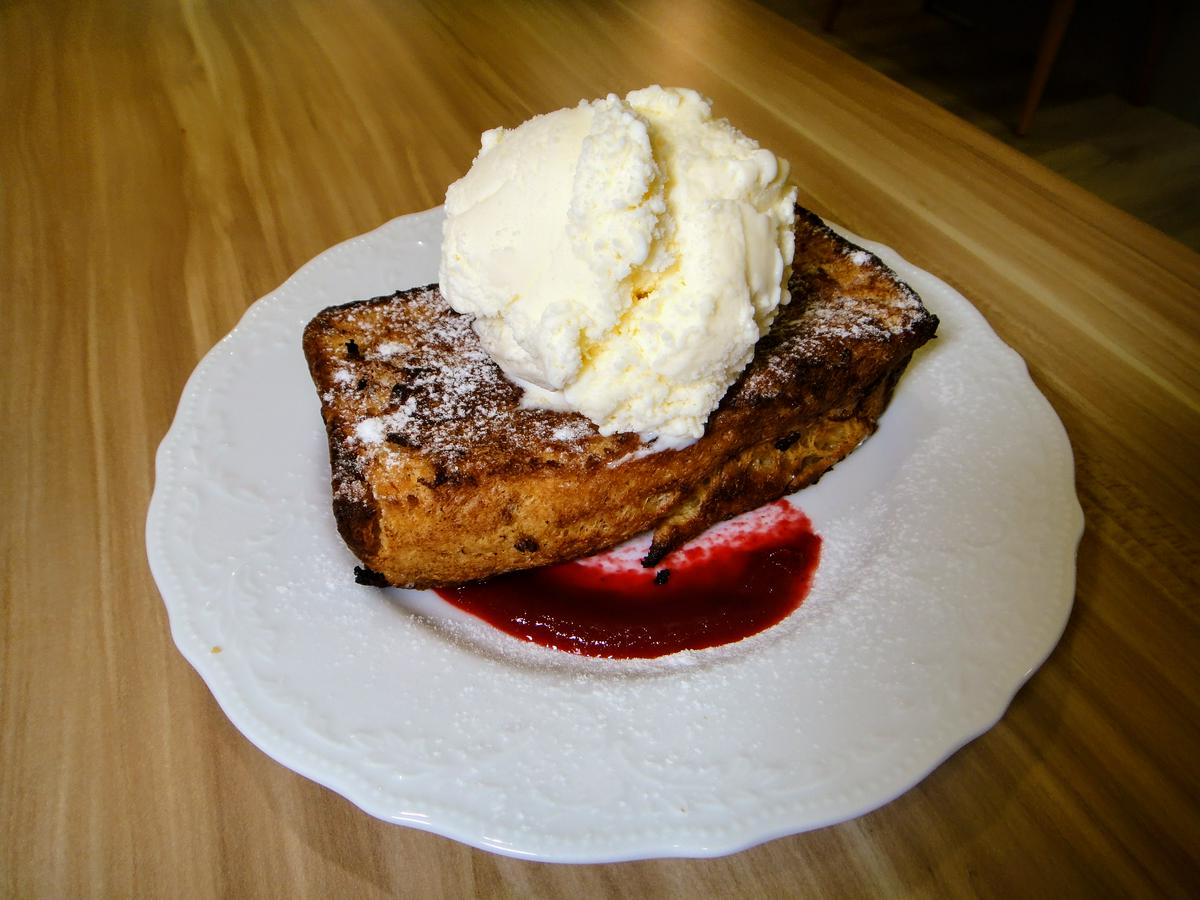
(165,164)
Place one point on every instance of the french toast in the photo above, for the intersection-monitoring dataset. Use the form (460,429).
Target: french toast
(441,477)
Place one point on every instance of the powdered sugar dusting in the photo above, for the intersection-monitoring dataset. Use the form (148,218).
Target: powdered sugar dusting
(388,349)
(370,431)
(417,381)
(572,431)
(845,303)
(848,317)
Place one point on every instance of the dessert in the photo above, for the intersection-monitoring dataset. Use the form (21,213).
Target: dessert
(636,328)
(442,474)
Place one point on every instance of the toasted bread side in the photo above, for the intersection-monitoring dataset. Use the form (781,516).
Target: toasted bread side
(440,477)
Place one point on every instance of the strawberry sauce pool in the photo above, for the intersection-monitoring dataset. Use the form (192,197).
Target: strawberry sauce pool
(738,579)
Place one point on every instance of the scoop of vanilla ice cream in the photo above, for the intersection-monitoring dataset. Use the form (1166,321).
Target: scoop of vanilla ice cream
(621,258)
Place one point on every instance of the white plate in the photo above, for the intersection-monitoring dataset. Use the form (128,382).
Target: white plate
(946,577)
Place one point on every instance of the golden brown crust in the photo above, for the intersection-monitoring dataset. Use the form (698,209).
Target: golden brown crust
(440,477)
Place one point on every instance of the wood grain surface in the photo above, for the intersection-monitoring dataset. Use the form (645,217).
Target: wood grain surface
(166,163)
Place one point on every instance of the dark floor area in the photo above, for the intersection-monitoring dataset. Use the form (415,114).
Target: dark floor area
(975,59)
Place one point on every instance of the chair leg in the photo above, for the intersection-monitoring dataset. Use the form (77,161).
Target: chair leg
(832,11)
(1052,36)
(1156,41)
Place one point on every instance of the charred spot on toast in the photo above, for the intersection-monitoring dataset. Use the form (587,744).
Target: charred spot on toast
(787,440)
(446,474)
(655,555)
(369,577)
(358,523)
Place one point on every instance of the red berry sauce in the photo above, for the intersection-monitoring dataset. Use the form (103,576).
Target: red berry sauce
(738,579)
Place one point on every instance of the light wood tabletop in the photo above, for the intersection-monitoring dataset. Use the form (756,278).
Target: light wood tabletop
(165,164)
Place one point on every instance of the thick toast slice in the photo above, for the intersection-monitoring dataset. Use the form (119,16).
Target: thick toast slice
(440,477)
